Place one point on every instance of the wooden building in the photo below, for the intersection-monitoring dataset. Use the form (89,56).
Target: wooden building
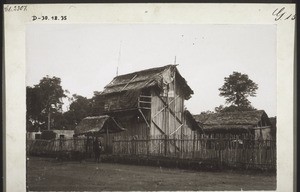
(50,134)
(273,121)
(99,126)
(244,124)
(149,103)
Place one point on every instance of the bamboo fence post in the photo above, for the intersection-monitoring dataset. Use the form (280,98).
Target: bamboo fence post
(113,145)
(132,146)
(220,152)
(86,144)
(147,143)
(165,141)
(175,149)
(193,155)
(128,145)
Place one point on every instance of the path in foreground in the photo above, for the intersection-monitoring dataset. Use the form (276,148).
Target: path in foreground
(50,175)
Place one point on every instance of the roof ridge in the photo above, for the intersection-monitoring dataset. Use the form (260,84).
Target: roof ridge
(144,70)
(233,112)
(95,117)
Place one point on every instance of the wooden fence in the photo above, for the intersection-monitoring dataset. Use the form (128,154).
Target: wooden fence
(233,152)
(228,152)
(40,146)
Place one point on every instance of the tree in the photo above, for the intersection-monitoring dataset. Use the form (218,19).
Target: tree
(219,109)
(43,100)
(34,118)
(97,104)
(237,88)
(51,93)
(79,109)
(233,108)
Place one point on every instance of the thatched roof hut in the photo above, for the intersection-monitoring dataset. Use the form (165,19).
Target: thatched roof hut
(98,125)
(202,117)
(240,121)
(148,103)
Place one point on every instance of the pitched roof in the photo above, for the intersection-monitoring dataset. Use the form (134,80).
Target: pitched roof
(202,117)
(146,78)
(191,122)
(97,125)
(232,120)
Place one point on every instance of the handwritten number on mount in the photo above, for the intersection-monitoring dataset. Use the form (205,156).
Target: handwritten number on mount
(280,14)
(12,8)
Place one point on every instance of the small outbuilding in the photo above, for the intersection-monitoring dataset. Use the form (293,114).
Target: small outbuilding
(50,134)
(246,124)
(99,126)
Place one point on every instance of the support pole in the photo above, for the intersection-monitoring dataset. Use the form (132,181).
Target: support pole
(166,112)
(194,145)
(166,146)
(174,81)
(147,131)
(106,138)
(49,120)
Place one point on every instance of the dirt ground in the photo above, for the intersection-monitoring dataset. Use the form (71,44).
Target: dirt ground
(48,174)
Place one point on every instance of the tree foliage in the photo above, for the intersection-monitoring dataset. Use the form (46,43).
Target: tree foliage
(79,109)
(51,93)
(41,99)
(46,97)
(97,104)
(237,88)
(233,108)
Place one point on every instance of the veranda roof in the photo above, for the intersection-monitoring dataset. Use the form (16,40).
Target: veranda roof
(98,125)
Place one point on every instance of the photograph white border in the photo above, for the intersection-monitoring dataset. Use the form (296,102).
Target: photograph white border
(16,19)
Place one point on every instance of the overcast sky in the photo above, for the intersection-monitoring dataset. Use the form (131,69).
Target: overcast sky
(86,57)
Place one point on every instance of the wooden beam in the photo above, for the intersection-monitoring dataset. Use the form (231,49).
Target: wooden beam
(164,107)
(176,129)
(145,96)
(148,102)
(119,110)
(174,81)
(144,118)
(129,82)
(120,84)
(106,137)
(263,127)
(160,130)
(145,108)
(167,122)
(169,109)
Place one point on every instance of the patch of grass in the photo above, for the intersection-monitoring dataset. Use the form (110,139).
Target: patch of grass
(51,175)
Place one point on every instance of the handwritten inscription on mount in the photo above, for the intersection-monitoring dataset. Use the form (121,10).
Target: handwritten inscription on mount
(281,14)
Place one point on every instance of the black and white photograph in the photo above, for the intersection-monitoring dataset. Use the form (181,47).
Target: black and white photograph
(107,102)
(151,106)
